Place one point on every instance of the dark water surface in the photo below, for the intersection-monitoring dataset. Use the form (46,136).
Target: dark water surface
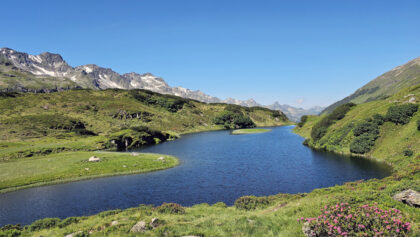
(215,166)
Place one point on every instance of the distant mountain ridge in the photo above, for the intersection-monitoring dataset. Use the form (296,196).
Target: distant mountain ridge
(385,85)
(48,71)
(293,113)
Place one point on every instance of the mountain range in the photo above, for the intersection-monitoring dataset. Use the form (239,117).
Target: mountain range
(50,72)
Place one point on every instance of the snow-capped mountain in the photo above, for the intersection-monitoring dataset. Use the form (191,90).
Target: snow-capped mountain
(39,68)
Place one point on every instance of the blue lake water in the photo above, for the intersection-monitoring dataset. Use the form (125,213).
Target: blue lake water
(215,166)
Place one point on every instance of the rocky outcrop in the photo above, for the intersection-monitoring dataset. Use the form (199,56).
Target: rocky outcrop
(139,227)
(409,197)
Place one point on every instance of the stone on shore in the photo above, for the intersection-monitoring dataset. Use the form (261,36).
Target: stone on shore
(94,159)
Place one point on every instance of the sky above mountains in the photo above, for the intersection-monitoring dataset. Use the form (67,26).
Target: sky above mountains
(302,53)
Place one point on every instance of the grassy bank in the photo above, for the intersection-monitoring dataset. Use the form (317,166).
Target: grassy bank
(72,166)
(250,131)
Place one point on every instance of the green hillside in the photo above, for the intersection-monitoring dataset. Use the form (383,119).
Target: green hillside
(385,85)
(276,215)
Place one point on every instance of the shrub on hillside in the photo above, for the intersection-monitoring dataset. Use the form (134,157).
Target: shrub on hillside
(363,143)
(408,152)
(401,114)
(171,208)
(366,127)
(378,119)
(230,119)
(251,202)
(135,137)
(45,223)
(366,134)
(320,128)
(303,120)
(345,220)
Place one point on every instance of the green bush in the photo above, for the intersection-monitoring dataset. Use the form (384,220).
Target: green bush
(366,127)
(418,125)
(135,137)
(366,134)
(251,202)
(303,120)
(363,143)
(401,114)
(233,120)
(171,208)
(408,152)
(45,223)
(378,119)
(320,128)
(69,221)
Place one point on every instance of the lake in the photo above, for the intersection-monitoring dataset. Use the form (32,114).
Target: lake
(215,166)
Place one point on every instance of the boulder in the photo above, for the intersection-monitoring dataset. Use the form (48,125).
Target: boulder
(94,159)
(155,222)
(161,158)
(409,197)
(307,231)
(139,227)
(73,234)
(412,100)
(114,223)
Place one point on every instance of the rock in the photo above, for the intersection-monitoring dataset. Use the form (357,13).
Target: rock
(73,234)
(114,223)
(135,153)
(155,222)
(139,227)
(307,231)
(409,197)
(124,166)
(412,100)
(161,158)
(94,159)
(86,169)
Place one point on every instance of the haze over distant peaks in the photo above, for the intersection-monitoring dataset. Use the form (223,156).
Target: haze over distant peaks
(49,72)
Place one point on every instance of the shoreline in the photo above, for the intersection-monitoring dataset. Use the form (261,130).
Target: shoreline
(76,179)
(90,177)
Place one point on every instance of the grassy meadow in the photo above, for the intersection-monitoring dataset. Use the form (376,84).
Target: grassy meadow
(250,131)
(72,166)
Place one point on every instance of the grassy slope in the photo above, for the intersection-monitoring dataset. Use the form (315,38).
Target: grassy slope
(30,138)
(279,217)
(70,166)
(250,131)
(385,85)
(21,135)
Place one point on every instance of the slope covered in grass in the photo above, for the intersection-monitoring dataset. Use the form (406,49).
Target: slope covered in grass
(277,215)
(37,124)
(385,85)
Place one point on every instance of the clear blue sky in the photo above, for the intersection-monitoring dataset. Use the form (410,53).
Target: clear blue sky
(302,53)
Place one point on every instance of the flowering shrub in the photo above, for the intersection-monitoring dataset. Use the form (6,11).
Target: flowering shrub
(344,220)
